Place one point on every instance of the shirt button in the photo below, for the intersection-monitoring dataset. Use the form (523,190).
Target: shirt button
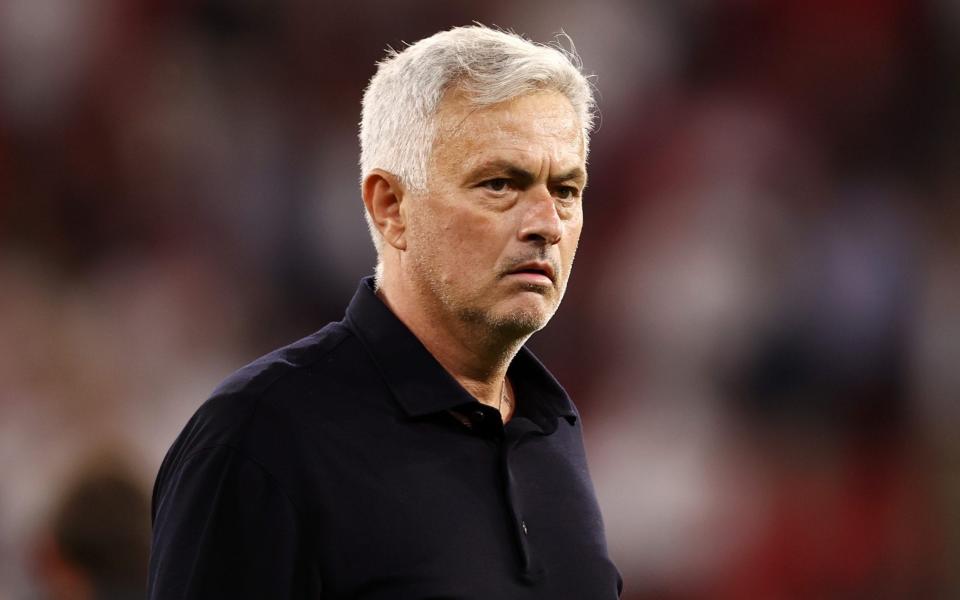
(523,524)
(478,416)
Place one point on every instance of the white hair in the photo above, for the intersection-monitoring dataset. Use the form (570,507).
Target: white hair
(488,65)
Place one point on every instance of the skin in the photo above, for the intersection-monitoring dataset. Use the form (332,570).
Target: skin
(505,187)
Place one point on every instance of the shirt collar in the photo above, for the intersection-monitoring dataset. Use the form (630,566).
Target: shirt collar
(421,385)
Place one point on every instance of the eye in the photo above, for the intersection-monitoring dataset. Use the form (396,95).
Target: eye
(499,184)
(567,192)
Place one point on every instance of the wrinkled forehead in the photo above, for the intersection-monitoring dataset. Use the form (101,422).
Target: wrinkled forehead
(541,121)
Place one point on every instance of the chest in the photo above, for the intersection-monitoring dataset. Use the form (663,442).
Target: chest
(429,510)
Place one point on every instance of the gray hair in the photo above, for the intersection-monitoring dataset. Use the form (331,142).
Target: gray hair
(490,66)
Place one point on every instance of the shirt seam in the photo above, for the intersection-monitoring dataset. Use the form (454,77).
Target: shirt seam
(244,428)
(246,456)
(258,401)
(260,396)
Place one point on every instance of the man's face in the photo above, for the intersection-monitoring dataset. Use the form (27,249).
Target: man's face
(492,240)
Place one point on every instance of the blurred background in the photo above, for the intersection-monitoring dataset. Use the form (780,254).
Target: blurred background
(762,330)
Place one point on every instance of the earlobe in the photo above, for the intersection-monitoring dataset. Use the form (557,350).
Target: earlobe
(382,194)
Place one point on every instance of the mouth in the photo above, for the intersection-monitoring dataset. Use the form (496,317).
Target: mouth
(534,272)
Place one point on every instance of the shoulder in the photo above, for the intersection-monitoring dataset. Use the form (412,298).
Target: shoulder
(270,396)
(257,377)
(238,396)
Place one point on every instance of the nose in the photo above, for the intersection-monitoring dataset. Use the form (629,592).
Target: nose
(541,222)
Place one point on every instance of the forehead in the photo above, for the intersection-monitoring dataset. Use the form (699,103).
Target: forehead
(539,125)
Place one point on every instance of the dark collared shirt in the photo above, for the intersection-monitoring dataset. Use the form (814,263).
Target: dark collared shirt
(336,468)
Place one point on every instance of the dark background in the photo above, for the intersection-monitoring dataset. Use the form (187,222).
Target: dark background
(762,329)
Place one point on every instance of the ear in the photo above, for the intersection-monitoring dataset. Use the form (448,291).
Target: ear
(382,195)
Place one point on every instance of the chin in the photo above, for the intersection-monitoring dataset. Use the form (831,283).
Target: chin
(523,314)
(522,321)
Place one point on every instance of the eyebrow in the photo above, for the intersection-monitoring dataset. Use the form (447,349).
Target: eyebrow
(525,177)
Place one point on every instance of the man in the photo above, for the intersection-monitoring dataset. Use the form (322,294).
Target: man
(96,541)
(415,449)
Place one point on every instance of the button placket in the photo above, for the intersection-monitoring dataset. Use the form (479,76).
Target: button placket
(528,570)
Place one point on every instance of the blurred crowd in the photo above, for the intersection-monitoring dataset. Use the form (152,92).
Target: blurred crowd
(760,332)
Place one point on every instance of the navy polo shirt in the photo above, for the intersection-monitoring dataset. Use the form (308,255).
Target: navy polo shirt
(350,464)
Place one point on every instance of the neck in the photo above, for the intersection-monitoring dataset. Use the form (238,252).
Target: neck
(475,356)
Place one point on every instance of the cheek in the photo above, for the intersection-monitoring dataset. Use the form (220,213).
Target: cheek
(462,238)
(472,235)
(572,238)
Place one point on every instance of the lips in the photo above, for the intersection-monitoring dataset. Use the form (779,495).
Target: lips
(534,270)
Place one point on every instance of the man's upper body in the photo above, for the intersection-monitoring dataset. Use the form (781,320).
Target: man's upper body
(352,465)
(416,449)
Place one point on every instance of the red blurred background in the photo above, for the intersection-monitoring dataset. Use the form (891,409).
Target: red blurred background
(762,327)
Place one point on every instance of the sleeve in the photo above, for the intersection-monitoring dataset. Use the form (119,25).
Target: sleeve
(223,528)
